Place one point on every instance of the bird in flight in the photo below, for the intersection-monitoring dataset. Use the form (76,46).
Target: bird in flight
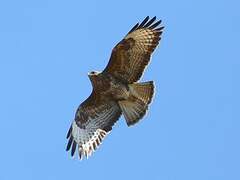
(116,89)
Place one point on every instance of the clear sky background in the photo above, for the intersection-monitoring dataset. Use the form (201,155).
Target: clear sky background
(192,130)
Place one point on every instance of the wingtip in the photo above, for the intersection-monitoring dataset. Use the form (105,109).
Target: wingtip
(154,18)
(147,17)
(69,132)
(160,29)
(73,148)
(134,28)
(146,23)
(69,143)
(143,22)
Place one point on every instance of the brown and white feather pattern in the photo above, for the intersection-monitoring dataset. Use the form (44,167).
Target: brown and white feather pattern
(145,40)
(86,135)
(131,55)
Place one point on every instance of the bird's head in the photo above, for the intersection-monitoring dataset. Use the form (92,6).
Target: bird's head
(94,78)
(93,73)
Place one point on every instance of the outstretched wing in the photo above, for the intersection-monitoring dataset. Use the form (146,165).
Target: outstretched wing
(93,120)
(131,55)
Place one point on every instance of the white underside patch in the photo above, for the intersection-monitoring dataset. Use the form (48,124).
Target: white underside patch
(87,139)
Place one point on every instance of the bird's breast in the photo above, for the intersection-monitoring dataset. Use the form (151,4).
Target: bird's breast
(119,90)
(111,87)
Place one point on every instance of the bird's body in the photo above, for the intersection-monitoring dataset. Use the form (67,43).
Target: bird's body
(116,90)
(109,86)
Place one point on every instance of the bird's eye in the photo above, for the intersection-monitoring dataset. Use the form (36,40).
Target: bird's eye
(92,72)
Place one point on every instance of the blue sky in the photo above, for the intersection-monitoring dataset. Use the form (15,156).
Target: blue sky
(192,129)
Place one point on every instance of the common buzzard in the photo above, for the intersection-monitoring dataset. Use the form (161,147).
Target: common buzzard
(116,90)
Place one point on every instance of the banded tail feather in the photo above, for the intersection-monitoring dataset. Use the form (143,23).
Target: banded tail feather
(136,106)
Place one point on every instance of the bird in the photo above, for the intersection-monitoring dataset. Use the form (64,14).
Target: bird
(116,90)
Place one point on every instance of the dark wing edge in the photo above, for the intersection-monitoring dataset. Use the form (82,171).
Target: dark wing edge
(146,23)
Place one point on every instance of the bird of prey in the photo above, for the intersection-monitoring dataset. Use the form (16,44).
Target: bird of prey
(116,89)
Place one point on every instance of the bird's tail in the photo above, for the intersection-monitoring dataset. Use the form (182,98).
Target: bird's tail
(135,107)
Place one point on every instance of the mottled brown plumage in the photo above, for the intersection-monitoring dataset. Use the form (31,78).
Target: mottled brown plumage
(116,90)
